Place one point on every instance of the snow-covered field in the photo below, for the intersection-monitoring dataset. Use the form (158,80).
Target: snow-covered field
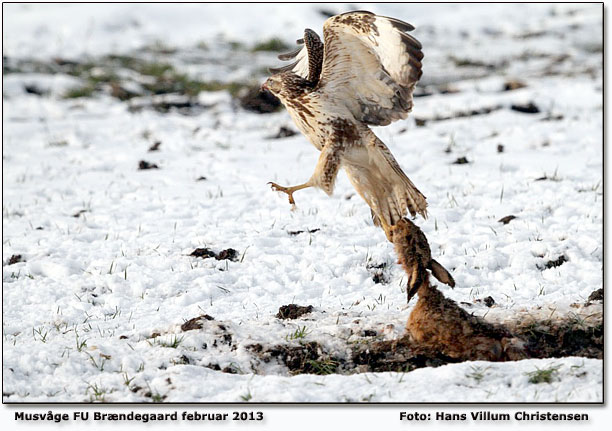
(93,310)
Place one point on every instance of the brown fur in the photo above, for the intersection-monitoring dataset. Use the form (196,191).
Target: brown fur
(414,255)
(437,322)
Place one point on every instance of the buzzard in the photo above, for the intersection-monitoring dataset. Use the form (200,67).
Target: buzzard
(362,74)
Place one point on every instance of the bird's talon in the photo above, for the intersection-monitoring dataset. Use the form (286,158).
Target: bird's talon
(278,188)
(286,190)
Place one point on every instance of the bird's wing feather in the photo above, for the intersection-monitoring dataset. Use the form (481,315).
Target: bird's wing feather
(308,58)
(372,64)
(299,66)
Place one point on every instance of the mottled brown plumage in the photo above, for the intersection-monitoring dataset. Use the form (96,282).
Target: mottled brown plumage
(363,75)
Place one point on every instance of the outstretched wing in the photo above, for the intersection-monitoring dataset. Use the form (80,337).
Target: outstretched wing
(308,58)
(372,64)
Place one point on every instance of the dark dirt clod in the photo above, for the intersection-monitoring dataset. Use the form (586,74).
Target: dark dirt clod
(420,122)
(514,85)
(379,276)
(297,232)
(596,295)
(229,370)
(215,367)
(195,323)
(284,132)
(529,108)
(142,165)
(16,258)
(158,397)
(500,148)
(293,311)
(369,333)
(203,253)
(259,101)
(228,254)
(489,301)
(227,339)
(78,213)
(155,146)
(123,337)
(507,219)
(202,178)
(555,263)
(461,161)
(33,89)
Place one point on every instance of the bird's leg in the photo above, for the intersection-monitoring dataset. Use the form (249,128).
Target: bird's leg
(290,190)
(380,221)
(388,230)
(324,175)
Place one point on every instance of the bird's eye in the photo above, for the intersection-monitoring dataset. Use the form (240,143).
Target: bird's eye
(274,85)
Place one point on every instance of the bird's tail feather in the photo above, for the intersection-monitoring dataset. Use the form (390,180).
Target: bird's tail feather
(397,204)
(396,194)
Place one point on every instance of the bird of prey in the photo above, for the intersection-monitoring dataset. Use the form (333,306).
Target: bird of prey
(362,74)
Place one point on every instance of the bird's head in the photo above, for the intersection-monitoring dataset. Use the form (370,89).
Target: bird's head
(274,85)
(286,85)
